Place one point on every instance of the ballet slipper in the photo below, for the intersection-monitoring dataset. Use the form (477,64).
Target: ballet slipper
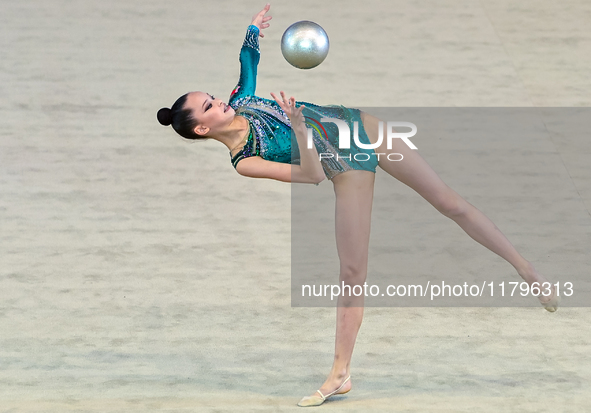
(551,302)
(318,400)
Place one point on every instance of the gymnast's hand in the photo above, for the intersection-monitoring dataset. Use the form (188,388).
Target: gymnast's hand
(294,114)
(259,20)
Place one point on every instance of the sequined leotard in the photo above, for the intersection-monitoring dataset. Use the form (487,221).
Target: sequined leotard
(271,136)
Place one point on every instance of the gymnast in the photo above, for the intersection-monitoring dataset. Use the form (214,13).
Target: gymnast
(258,134)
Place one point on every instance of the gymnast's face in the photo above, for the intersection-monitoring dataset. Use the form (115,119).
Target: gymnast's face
(212,114)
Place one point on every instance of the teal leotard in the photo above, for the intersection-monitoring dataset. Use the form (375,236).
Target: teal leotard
(271,135)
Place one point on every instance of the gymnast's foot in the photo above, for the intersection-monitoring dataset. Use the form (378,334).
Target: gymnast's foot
(336,384)
(548,301)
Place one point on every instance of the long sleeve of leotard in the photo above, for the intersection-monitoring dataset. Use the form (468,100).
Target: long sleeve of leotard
(249,59)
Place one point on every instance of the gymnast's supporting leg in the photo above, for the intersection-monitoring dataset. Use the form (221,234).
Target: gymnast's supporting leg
(414,171)
(354,198)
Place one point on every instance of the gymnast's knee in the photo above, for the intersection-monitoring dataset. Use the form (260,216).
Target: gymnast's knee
(353,274)
(451,205)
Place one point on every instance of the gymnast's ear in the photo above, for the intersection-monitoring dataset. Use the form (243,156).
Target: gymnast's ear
(201,130)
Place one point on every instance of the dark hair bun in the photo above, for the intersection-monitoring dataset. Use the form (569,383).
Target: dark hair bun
(165,116)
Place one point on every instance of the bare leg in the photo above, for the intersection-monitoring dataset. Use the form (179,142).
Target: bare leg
(414,171)
(354,198)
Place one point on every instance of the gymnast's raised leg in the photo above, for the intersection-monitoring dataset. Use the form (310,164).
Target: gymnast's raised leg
(414,171)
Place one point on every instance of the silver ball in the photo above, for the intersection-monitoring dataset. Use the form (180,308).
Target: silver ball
(304,44)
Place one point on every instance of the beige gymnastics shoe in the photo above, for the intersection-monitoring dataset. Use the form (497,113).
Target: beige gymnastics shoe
(318,400)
